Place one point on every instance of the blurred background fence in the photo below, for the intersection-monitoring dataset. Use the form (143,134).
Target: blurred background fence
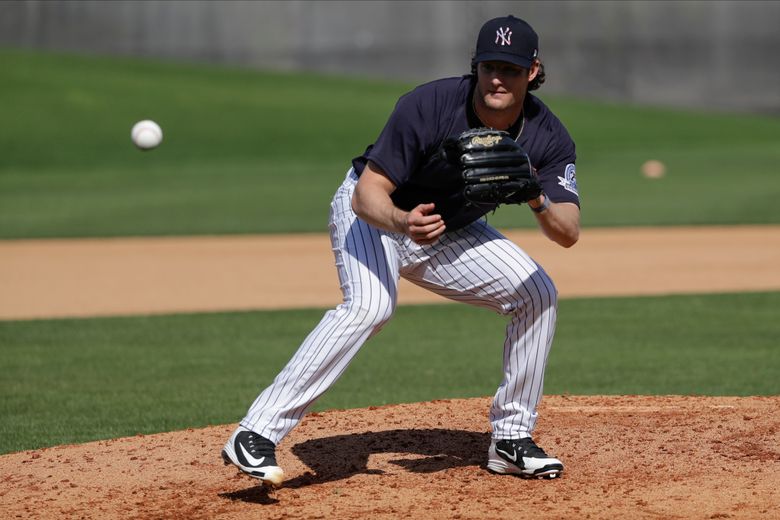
(718,55)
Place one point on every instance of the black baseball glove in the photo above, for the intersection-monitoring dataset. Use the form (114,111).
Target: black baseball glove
(495,169)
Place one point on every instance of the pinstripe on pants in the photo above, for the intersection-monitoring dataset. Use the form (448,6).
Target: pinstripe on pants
(475,265)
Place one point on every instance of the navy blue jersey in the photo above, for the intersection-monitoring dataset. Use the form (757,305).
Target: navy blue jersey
(407,149)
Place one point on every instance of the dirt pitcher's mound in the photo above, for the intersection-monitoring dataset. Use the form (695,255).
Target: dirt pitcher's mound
(625,457)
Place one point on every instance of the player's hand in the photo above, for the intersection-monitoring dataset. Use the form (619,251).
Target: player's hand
(423,226)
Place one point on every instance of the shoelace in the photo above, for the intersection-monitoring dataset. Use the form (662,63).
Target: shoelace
(259,446)
(528,447)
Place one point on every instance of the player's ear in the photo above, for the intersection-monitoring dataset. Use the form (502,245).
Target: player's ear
(534,70)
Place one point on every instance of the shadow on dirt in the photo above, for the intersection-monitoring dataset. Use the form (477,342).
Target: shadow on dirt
(255,495)
(341,456)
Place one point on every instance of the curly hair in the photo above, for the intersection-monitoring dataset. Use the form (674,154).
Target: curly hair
(533,85)
(539,79)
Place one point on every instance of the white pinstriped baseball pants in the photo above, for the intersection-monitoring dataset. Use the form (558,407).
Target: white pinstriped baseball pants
(475,265)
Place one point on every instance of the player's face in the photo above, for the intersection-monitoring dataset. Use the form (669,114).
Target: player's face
(502,85)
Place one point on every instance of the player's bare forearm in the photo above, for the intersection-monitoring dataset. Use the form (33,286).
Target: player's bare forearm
(372,203)
(560,222)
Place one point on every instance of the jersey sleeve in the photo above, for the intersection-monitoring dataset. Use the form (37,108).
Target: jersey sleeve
(401,146)
(557,173)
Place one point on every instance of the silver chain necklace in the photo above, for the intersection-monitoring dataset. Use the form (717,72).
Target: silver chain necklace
(522,123)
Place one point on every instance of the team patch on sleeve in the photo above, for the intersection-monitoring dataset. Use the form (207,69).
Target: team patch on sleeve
(569,179)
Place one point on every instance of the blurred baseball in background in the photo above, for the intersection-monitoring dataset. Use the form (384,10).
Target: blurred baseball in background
(653,169)
(146,134)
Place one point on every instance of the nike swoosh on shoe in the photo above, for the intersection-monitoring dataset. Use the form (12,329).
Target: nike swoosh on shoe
(512,457)
(252,461)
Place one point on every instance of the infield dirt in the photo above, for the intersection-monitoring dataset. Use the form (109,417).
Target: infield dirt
(625,456)
(68,278)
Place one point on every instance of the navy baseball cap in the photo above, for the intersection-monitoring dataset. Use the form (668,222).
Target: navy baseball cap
(507,39)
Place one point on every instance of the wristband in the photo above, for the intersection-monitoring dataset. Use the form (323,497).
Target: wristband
(544,206)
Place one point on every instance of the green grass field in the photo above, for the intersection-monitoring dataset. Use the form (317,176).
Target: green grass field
(256,152)
(77,380)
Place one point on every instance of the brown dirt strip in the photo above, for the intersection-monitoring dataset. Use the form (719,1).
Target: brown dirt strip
(625,457)
(73,278)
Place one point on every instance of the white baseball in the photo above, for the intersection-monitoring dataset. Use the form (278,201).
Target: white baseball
(146,134)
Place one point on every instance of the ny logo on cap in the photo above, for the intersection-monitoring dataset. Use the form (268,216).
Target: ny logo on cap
(504,35)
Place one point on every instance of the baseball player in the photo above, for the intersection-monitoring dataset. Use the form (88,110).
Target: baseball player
(401,212)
